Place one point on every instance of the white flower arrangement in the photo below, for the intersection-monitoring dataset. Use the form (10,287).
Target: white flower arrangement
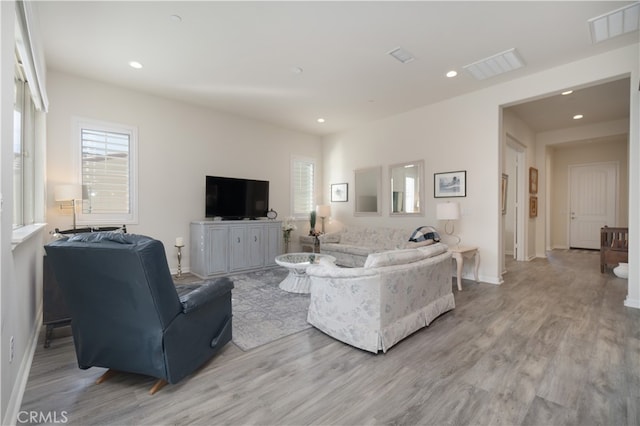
(288,225)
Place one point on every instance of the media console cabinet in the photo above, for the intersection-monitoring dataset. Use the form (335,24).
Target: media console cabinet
(228,246)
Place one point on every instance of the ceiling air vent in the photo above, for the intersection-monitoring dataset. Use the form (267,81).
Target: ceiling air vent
(615,23)
(401,55)
(500,63)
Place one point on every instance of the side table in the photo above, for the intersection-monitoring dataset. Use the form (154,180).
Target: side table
(309,244)
(459,253)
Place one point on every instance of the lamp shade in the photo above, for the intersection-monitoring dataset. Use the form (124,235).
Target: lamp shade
(67,192)
(323,210)
(448,211)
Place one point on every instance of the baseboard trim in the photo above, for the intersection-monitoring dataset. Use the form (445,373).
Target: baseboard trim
(17,393)
(632,303)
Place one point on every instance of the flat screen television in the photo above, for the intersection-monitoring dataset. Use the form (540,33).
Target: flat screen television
(233,198)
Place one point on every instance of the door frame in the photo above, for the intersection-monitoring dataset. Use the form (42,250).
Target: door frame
(521,193)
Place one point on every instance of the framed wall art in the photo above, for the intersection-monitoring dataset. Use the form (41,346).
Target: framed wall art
(339,192)
(533,180)
(450,184)
(533,206)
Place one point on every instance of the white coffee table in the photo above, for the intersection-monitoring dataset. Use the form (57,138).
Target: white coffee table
(298,281)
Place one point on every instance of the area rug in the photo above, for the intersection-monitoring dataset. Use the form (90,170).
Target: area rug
(262,312)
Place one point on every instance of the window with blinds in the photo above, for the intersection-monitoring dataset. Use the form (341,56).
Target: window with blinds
(107,164)
(302,186)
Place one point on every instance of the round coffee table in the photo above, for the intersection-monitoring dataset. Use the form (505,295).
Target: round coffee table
(298,281)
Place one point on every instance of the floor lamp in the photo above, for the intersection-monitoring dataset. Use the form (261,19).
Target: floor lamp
(449,212)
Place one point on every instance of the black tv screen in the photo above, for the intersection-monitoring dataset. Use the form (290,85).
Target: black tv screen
(233,198)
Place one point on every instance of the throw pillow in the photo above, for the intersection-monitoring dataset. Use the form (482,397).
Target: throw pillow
(424,233)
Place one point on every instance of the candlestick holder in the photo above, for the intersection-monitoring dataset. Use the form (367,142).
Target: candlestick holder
(179,247)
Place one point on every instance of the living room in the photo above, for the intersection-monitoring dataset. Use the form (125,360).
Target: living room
(180,143)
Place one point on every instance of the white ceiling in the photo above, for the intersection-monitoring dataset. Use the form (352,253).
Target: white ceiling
(240,57)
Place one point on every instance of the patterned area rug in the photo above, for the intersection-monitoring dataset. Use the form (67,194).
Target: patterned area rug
(262,312)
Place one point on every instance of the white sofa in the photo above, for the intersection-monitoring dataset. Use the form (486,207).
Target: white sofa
(374,307)
(351,246)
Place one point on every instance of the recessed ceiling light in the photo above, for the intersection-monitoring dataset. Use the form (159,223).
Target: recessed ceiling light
(320,120)
(568,92)
(452,73)
(297,70)
(135,64)
(578,116)
(175,18)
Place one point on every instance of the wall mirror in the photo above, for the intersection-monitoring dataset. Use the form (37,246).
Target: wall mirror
(367,191)
(407,188)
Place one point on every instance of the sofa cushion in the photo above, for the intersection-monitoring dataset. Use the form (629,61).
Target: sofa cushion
(347,248)
(411,244)
(394,257)
(433,250)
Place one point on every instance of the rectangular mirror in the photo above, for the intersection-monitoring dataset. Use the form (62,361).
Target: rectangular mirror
(367,191)
(407,188)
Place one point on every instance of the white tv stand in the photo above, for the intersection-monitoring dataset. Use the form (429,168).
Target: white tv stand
(229,246)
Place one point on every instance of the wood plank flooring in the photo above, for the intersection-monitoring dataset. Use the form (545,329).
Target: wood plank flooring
(553,345)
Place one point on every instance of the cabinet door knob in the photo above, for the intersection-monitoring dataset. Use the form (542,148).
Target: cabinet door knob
(255,238)
(238,240)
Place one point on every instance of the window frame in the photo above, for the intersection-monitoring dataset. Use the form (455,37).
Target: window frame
(295,159)
(24,151)
(130,218)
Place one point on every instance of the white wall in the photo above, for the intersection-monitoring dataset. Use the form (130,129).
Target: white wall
(179,145)
(436,134)
(21,265)
(464,133)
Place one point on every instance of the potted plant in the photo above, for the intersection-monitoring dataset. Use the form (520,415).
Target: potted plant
(312,222)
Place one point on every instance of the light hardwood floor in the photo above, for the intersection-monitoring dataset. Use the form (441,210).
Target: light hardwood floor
(553,345)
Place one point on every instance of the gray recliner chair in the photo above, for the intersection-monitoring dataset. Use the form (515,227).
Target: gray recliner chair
(126,313)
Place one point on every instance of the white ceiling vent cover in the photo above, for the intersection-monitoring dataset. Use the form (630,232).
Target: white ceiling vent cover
(499,63)
(615,23)
(401,55)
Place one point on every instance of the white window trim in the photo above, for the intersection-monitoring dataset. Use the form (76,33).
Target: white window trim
(130,218)
(294,158)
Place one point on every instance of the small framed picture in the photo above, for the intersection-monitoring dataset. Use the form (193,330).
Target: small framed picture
(450,184)
(339,192)
(533,180)
(533,206)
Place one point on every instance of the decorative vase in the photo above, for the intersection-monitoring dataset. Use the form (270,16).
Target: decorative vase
(622,270)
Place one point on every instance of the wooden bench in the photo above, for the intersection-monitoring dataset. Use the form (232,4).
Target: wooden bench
(614,246)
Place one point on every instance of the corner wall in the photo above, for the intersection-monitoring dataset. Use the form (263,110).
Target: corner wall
(464,133)
(178,145)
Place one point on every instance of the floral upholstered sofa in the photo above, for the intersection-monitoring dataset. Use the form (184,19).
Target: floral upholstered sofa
(351,246)
(393,295)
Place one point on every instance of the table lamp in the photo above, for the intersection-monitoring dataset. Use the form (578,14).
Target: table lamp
(449,212)
(68,192)
(323,211)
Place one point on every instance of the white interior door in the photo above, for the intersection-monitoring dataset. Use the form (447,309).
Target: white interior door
(593,198)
